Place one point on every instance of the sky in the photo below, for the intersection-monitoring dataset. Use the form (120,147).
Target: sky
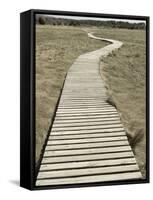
(95,18)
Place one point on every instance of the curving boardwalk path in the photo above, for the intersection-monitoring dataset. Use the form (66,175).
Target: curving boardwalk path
(87,142)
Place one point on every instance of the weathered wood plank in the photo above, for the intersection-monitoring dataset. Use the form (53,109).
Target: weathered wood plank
(83,100)
(86,164)
(100,116)
(89,171)
(108,130)
(74,107)
(87,114)
(103,109)
(86,151)
(78,102)
(87,123)
(84,96)
(85,145)
(74,158)
(86,140)
(79,136)
(119,125)
(91,103)
(84,104)
(102,120)
(90,179)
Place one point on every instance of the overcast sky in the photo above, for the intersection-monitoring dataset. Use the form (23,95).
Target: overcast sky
(95,18)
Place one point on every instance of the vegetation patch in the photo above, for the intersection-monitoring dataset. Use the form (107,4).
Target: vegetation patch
(125,75)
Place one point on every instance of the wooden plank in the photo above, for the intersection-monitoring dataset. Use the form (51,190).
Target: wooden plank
(91,97)
(91,131)
(86,151)
(91,102)
(84,110)
(90,179)
(83,102)
(79,136)
(84,93)
(87,120)
(86,89)
(74,158)
(67,86)
(80,76)
(87,123)
(85,145)
(87,114)
(79,79)
(73,99)
(75,89)
(104,116)
(87,127)
(92,87)
(83,99)
(98,102)
(86,164)
(66,107)
(72,84)
(103,109)
(85,96)
(50,141)
(80,90)
(75,105)
(89,171)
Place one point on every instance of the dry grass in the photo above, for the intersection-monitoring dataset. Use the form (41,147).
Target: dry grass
(125,75)
(56,49)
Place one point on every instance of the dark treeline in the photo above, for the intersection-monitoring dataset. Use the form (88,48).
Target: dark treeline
(72,22)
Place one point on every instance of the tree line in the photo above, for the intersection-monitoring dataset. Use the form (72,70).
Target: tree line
(72,22)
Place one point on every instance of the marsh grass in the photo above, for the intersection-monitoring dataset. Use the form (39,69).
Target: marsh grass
(56,49)
(125,74)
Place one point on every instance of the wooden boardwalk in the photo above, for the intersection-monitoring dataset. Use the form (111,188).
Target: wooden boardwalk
(87,142)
